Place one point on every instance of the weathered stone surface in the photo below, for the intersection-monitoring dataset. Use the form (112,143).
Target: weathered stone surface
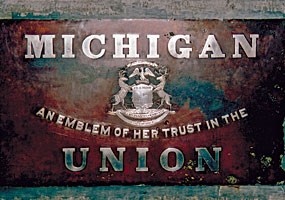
(146,192)
(140,9)
(197,9)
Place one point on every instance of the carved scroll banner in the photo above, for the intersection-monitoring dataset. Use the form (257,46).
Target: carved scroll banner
(104,102)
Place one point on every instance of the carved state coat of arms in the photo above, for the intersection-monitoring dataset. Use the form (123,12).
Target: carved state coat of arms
(142,84)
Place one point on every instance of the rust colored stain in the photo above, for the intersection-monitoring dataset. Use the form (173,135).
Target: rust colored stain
(200,89)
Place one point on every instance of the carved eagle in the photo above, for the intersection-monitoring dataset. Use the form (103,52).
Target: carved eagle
(142,73)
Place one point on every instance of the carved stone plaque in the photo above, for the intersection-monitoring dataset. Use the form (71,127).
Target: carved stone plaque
(104,102)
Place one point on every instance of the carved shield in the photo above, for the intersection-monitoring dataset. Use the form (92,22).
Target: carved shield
(142,96)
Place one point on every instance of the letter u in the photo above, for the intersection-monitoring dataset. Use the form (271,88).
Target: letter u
(68,159)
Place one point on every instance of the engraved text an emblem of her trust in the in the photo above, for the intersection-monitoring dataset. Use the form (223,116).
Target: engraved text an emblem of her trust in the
(141,100)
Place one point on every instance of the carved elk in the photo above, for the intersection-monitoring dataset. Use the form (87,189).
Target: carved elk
(125,88)
(159,89)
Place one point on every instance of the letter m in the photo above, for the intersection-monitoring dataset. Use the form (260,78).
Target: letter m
(37,44)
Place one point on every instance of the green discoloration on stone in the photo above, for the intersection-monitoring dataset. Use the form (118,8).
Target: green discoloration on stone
(283,158)
(280,183)
(146,192)
(190,165)
(48,16)
(232,180)
(203,94)
(83,72)
(252,154)
(266,161)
